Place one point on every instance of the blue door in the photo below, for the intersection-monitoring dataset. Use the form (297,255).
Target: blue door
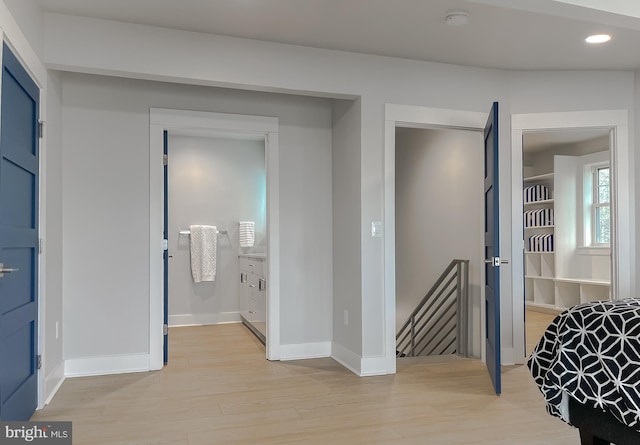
(18,240)
(165,254)
(492,248)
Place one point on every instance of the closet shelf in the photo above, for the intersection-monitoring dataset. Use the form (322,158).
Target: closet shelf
(539,177)
(544,201)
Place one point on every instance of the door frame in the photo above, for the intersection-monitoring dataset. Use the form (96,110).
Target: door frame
(411,116)
(11,34)
(623,237)
(221,125)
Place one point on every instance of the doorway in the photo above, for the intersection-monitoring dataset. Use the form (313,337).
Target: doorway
(218,182)
(615,123)
(566,219)
(218,125)
(439,195)
(412,117)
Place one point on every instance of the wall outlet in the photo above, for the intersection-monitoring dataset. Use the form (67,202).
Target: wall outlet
(57,330)
(346,317)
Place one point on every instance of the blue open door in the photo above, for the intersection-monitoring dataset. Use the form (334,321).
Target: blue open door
(165,254)
(19,141)
(492,248)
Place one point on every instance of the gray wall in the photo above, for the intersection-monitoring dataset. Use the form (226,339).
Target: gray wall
(346,222)
(215,182)
(106,207)
(439,215)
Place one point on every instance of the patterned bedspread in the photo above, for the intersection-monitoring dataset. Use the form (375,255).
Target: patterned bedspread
(591,352)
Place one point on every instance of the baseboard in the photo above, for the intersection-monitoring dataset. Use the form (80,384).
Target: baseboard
(383,365)
(52,382)
(363,366)
(117,364)
(508,357)
(203,319)
(346,358)
(302,351)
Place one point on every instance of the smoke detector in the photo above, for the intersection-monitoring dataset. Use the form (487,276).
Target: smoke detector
(457,18)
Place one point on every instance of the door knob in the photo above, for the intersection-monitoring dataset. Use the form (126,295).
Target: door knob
(4,270)
(496,261)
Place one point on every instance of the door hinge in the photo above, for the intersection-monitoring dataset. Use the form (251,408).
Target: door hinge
(40,245)
(38,362)
(165,329)
(165,159)
(165,244)
(40,129)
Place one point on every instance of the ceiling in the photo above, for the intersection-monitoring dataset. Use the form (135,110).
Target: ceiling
(513,38)
(545,140)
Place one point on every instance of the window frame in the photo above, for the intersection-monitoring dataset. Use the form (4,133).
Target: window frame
(595,204)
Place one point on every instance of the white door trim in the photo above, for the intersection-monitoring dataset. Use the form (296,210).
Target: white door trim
(623,237)
(219,124)
(397,115)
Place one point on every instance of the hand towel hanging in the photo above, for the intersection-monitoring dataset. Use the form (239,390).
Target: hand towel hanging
(203,245)
(247,233)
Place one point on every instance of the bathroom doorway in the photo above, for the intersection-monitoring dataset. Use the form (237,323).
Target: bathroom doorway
(202,126)
(219,183)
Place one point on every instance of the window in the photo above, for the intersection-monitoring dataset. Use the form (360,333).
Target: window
(600,206)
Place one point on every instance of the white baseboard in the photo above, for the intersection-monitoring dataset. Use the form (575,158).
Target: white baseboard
(117,364)
(203,319)
(305,350)
(363,366)
(52,382)
(346,358)
(508,358)
(383,365)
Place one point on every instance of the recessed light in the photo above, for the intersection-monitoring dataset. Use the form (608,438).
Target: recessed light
(598,38)
(457,18)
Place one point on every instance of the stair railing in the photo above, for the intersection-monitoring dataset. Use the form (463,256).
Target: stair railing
(439,324)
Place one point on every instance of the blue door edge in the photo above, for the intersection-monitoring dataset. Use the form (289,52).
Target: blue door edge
(494,362)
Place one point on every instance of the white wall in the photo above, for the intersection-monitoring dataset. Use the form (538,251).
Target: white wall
(439,195)
(78,44)
(52,173)
(216,182)
(106,208)
(30,19)
(346,229)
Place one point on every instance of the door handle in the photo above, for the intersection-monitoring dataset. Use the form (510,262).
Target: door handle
(496,261)
(4,270)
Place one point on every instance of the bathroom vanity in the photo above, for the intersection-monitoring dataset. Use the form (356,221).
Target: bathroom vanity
(253,293)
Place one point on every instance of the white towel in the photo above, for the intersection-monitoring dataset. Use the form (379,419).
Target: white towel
(247,233)
(203,244)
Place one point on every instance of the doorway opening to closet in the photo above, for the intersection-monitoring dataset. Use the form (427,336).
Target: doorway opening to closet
(555,281)
(567,216)
(217,175)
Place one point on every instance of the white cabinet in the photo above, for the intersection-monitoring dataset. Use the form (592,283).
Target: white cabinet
(552,279)
(253,294)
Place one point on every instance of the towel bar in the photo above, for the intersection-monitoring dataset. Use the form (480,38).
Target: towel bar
(188,232)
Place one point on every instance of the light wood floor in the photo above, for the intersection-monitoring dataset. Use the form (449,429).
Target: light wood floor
(219,389)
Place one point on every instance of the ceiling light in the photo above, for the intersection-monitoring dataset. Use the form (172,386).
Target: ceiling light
(457,18)
(598,38)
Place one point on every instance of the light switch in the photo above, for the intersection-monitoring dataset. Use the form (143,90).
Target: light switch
(376,229)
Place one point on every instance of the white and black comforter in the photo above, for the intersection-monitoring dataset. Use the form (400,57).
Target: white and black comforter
(591,352)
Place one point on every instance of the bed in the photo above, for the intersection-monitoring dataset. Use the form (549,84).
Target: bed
(587,366)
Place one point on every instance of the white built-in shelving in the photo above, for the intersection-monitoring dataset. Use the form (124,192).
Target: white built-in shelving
(552,280)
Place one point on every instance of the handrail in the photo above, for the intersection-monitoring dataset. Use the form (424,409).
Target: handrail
(449,296)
